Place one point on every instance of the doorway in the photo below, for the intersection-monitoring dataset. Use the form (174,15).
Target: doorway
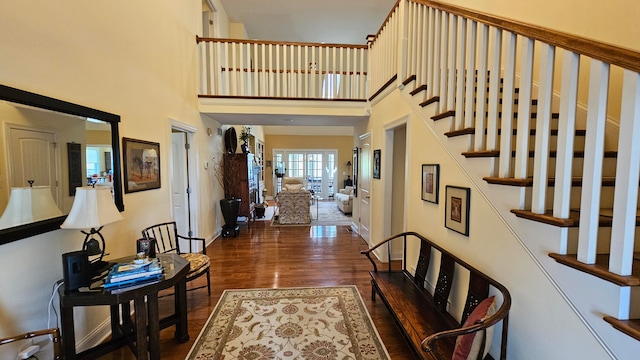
(183,176)
(395,174)
(364,187)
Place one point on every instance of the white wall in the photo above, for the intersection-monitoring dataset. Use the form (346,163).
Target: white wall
(135,59)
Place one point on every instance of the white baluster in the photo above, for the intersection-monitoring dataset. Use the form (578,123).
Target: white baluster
(460,75)
(471,75)
(543,129)
(494,88)
(444,62)
(625,202)
(566,134)
(451,63)
(481,92)
(593,159)
(508,88)
(524,110)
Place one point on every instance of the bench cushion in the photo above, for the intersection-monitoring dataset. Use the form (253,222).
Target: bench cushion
(400,293)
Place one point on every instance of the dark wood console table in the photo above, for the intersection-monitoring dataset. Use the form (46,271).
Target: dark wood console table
(146,321)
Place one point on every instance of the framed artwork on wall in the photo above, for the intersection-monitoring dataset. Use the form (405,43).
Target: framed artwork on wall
(376,164)
(430,182)
(456,210)
(141,165)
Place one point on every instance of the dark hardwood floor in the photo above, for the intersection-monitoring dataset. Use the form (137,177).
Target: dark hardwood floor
(278,257)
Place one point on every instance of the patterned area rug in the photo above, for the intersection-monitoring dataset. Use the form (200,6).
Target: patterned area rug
(291,323)
(326,213)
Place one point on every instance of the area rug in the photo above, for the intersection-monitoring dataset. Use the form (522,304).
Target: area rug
(291,323)
(324,213)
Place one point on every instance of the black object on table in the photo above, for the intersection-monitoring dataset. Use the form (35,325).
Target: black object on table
(146,321)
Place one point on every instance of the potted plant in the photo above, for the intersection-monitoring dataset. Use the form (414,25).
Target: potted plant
(245,134)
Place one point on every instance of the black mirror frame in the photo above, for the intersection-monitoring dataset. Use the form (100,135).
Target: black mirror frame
(44,102)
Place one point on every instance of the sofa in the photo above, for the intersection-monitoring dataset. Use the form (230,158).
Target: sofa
(294,202)
(344,199)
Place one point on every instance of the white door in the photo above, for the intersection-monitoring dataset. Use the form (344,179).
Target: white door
(364,187)
(180,182)
(33,157)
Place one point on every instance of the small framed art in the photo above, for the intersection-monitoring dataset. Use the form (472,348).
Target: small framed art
(141,165)
(430,182)
(376,163)
(456,210)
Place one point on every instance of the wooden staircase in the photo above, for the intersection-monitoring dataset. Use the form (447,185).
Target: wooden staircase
(600,268)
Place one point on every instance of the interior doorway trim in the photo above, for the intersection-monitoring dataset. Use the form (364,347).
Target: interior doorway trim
(192,161)
(387,172)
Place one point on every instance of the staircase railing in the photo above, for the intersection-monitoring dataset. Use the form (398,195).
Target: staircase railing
(458,56)
(247,68)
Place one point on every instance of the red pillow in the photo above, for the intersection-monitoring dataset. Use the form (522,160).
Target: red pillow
(468,346)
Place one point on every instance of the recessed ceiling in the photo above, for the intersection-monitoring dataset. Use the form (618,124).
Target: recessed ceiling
(328,21)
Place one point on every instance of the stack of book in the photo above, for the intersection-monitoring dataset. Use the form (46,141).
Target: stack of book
(128,274)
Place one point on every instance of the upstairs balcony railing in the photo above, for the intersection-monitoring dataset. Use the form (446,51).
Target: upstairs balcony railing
(248,68)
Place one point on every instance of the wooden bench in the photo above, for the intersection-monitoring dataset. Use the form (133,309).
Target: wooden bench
(428,318)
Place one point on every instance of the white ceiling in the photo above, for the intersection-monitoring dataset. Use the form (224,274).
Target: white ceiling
(328,21)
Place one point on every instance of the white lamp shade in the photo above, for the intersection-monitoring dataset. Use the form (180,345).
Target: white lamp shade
(92,208)
(27,205)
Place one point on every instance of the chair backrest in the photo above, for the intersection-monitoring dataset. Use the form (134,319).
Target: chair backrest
(54,333)
(166,235)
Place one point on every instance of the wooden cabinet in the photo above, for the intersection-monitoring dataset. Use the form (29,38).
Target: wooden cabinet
(240,181)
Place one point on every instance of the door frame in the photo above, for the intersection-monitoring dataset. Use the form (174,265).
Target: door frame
(387,178)
(366,137)
(192,168)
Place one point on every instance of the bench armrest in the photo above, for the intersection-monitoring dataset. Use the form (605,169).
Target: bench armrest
(367,253)
(429,343)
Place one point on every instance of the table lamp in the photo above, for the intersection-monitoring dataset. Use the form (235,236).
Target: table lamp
(92,209)
(27,205)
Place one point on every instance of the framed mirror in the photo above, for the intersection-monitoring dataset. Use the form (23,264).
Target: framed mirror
(49,147)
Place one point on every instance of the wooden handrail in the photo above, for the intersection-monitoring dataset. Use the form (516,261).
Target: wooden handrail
(295,71)
(607,53)
(385,21)
(289,43)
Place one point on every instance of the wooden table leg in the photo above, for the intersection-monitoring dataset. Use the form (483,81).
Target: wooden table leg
(182,331)
(141,328)
(154,326)
(68,333)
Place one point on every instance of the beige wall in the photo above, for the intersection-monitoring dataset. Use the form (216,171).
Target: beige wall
(74,51)
(344,145)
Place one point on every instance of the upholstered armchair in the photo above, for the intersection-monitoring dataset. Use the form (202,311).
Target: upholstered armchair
(294,202)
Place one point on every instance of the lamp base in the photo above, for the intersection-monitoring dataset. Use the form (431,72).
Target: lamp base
(97,268)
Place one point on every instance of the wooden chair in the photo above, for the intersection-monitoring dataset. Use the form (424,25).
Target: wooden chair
(54,332)
(168,241)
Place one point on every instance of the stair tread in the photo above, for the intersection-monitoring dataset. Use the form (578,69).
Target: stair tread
(575,181)
(552,153)
(601,268)
(532,132)
(605,219)
(630,327)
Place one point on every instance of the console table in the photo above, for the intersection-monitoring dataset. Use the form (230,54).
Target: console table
(146,321)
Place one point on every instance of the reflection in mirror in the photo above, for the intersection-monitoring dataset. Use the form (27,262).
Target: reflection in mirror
(51,148)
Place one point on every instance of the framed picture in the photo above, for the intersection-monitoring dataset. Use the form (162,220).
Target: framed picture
(430,182)
(456,210)
(141,165)
(376,164)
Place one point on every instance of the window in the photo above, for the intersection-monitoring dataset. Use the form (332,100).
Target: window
(316,167)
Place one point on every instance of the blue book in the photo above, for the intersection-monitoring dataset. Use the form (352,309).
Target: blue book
(124,272)
(131,282)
